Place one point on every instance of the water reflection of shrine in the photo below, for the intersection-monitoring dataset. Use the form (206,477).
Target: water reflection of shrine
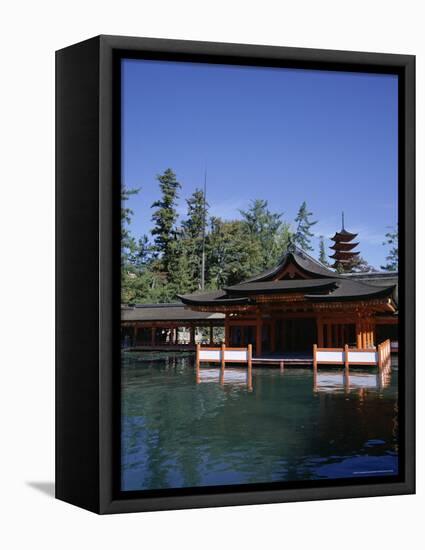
(349,379)
(235,377)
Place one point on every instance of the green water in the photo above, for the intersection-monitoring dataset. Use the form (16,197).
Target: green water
(180,433)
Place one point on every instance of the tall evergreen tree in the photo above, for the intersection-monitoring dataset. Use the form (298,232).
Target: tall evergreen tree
(128,242)
(303,235)
(391,240)
(232,255)
(323,258)
(193,232)
(263,225)
(165,216)
(283,238)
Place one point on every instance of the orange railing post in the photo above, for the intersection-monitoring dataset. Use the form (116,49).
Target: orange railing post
(198,360)
(346,356)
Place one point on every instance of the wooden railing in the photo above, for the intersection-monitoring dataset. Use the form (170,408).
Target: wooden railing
(223,354)
(352,356)
(384,353)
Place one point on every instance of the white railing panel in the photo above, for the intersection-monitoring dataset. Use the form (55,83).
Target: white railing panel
(209,355)
(360,357)
(236,355)
(330,356)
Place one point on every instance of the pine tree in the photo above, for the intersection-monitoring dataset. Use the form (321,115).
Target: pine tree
(392,257)
(282,239)
(128,242)
(263,226)
(322,251)
(193,232)
(232,255)
(303,235)
(165,217)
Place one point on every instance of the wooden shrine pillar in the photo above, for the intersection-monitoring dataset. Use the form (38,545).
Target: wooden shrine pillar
(135,330)
(358,334)
(320,342)
(192,336)
(334,335)
(211,335)
(153,334)
(273,335)
(364,336)
(258,334)
(341,335)
(328,335)
(226,332)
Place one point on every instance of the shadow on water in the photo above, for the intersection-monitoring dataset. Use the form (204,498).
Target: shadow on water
(46,487)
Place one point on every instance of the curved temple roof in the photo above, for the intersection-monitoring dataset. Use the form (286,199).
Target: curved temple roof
(344,236)
(306,263)
(320,284)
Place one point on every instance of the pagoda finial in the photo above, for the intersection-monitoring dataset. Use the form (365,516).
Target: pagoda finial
(343,221)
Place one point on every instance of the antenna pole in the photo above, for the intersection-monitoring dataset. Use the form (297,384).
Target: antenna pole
(343,220)
(203,232)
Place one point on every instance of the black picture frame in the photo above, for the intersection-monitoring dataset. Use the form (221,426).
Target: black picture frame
(87,270)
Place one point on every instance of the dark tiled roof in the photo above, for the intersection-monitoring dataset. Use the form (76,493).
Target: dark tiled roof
(322,284)
(208,298)
(343,236)
(352,290)
(304,261)
(165,312)
(380,278)
(282,286)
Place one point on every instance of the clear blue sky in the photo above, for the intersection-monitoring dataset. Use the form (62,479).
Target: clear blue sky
(284,135)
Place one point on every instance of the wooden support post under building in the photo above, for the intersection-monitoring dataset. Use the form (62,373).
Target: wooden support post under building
(192,336)
(211,335)
(328,335)
(198,365)
(273,335)
(223,362)
(153,334)
(226,332)
(258,335)
(364,336)
(249,371)
(320,333)
(359,335)
(346,369)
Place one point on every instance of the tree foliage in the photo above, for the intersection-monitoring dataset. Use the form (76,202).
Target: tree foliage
(303,235)
(193,234)
(262,226)
(157,271)
(323,257)
(391,240)
(165,217)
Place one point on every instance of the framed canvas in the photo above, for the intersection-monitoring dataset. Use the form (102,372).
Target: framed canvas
(235,274)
